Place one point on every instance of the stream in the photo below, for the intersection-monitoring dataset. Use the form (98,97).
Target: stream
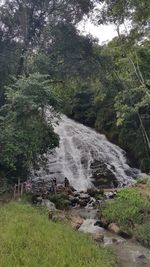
(89,160)
(129,253)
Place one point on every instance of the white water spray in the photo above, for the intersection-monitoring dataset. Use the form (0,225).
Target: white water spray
(79,147)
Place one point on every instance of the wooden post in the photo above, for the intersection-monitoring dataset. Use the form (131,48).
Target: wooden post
(21,189)
(18,186)
(15,191)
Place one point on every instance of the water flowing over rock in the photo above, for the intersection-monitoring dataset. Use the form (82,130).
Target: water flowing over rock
(86,158)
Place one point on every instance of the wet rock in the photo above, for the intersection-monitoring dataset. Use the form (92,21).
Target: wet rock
(36,200)
(91,203)
(113,227)
(93,192)
(110,195)
(89,227)
(47,203)
(74,200)
(102,223)
(84,196)
(76,194)
(125,235)
(76,222)
(84,199)
(103,177)
(85,213)
(98,237)
(141,259)
(83,203)
(112,239)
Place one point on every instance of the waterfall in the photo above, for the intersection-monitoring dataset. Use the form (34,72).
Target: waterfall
(84,156)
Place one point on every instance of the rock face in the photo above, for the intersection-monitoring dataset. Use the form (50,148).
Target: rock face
(102,176)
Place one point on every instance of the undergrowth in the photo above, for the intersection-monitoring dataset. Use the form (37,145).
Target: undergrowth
(29,239)
(131,211)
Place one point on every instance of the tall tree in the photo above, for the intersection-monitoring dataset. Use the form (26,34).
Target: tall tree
(25,20)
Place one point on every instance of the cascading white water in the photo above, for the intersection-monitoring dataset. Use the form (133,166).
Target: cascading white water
(79,147)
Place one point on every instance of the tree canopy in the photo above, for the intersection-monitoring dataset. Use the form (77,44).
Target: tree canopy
(44,60)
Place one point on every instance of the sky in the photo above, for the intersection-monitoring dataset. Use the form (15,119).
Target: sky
(104,33)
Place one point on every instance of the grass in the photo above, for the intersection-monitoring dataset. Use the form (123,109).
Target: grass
(131,211)
(142,234)
(29,239)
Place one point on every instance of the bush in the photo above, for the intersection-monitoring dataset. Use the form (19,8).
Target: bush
(60,200)
(145,180)
(129,208)
(142,234)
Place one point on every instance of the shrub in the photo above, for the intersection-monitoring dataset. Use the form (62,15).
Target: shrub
(129,208)
(60,200)
(142,234)
(145,180)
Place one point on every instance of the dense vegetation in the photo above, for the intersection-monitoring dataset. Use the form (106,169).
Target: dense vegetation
(29,239)
(131,211)
(45,61)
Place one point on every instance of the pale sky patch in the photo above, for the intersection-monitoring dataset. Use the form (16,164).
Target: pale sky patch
(104,33)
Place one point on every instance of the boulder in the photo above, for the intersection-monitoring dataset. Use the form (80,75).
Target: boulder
(83,202)
(36,200)
(89,227)
(110,195)
(113,227)
(84,196)
(102,223)
(47,203)
(74,200)
(76,222)
(76,194)
(110,240)
(98,237)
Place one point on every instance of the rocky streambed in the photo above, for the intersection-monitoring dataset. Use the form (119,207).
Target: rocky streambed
(129,253)
(83,216)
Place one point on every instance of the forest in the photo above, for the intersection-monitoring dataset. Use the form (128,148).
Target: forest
(77,109)
(44,60)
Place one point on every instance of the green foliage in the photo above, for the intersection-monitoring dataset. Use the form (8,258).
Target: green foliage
(118,12)
(61,200)
(142,234)
(83,106)
(129,208)
(145,181)
(120,101)
(106,87)
(32,240)
(25,133)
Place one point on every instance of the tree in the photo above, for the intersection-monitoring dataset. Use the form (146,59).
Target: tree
(137,13)
(25,133)
(25,21)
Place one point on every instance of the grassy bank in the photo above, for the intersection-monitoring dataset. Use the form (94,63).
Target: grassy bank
(130,210)
(29,239)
